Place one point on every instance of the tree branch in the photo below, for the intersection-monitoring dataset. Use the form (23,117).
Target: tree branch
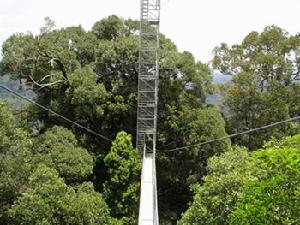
(45,85)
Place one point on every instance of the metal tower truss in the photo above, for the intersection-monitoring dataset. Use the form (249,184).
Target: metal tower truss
(147,108)
(148,74)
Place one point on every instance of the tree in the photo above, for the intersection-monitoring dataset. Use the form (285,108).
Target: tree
(48,200)
(179,170)
(7,123)
(20,154)
(216,198)
(56,61)
(91,77)
(263,67)
(15,160)
(58,148)
(275,198)
(261,187)
(109,28)
(49,25)
(122,186)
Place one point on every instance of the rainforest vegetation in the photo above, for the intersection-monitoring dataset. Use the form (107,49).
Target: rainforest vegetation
(54,172)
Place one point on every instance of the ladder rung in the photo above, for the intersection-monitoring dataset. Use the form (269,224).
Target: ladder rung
(146,105)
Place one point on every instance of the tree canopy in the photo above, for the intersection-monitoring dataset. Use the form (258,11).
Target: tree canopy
(122,187)
(48,200)
(91,77)
(54,172)
(263,88)
(261,187)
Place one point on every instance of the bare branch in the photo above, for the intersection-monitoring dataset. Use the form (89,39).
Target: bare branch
(45,85)
(45,77)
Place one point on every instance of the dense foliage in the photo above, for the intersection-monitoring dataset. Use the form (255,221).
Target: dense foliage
(263,89)
(250,188)
(48,200)
(122,186)
(91,77)
(54,172)
(32,188)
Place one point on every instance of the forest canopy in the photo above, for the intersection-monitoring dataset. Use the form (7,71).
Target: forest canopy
(54,172)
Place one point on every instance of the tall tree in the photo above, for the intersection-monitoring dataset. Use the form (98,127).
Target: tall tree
(227,178)
(261,187)
(15,160)
(122,185)
(58,148)
(91,77)
(178,170)
(275,198)
(48,200)
(263,67)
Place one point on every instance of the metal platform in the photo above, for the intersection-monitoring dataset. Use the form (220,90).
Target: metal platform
(148,214)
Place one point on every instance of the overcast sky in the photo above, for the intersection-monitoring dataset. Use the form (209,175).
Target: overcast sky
(193,25)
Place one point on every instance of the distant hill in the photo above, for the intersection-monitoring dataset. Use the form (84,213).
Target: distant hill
(218,78)
(18,86)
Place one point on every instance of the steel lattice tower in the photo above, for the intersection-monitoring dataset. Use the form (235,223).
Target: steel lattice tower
(148,74)
(147,108)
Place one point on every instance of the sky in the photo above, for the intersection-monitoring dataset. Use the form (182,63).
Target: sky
(193,25)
